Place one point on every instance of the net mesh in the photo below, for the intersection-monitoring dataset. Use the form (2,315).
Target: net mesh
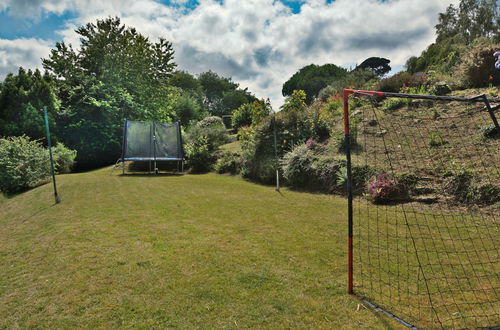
(151,140)
(426,211)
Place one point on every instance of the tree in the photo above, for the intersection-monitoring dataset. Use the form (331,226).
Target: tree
(222,95)
(251,113)
(377,65)
(117,74)
(295,102)
(22,98)
(311,79)
(471,20)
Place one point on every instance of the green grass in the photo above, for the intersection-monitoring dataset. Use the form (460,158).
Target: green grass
(191,251)
(234,146)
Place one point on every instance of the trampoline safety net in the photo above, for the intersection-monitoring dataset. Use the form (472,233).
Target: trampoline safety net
(144,141)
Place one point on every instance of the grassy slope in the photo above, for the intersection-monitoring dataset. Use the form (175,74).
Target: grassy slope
(174,251)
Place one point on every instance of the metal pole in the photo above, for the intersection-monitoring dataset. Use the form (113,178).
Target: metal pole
(276,154)
(154,148)
(124,146)
(349,192)
(492,114)
(56,196)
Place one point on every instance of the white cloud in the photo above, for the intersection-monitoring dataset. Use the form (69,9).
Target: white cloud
(22,52)
(261,43)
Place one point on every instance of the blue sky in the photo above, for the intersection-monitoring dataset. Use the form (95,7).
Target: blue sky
(259,43)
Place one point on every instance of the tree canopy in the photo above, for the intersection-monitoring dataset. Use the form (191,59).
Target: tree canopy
(457,29)
(378,65)
(116,74)
(222,95)
(312,78)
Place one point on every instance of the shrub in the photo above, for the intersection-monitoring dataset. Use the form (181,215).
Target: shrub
(464,188)
(436,140)
(360,176)
(490,132)
(259,166)
(458,185)
(251,113)
(439,88)
(384,188)
(391,105)
(198,155)
(210,128)
(400,80)
(229,162)
(297,166)
(64,158)
(326,169)
(23,164)
(486,194)
(212,121)
(242,116)
(478,66)
(356,79)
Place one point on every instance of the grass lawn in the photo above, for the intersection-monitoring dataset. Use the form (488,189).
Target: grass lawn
(191,251)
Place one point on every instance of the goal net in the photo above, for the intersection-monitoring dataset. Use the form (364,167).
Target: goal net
(424,207)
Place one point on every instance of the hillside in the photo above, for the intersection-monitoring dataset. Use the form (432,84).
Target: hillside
(182,251)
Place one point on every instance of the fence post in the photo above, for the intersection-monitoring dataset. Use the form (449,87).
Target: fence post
(49,143)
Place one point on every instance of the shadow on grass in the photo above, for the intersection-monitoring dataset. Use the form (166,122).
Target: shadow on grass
(151,175)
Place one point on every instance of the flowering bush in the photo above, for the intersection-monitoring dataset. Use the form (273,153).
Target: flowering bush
(384,188)
(311,143)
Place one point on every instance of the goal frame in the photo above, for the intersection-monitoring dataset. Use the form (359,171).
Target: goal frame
(348,149)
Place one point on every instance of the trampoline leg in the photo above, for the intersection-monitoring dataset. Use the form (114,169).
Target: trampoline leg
(123,167)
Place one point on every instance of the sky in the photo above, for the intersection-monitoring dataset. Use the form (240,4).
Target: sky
(258,43)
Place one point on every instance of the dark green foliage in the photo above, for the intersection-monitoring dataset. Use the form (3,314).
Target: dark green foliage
(459,186)
(464,187)
(442,57)
(222,95)
(242,116)
(186,109)
(471,20)
(117,74)
(356,79)
(22,98)
(64,158)
(378,65)
(313,78)
(360,177)
(199,157)
(490,132)
(486,194)
(457,29)
(24,164)
(228,162)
